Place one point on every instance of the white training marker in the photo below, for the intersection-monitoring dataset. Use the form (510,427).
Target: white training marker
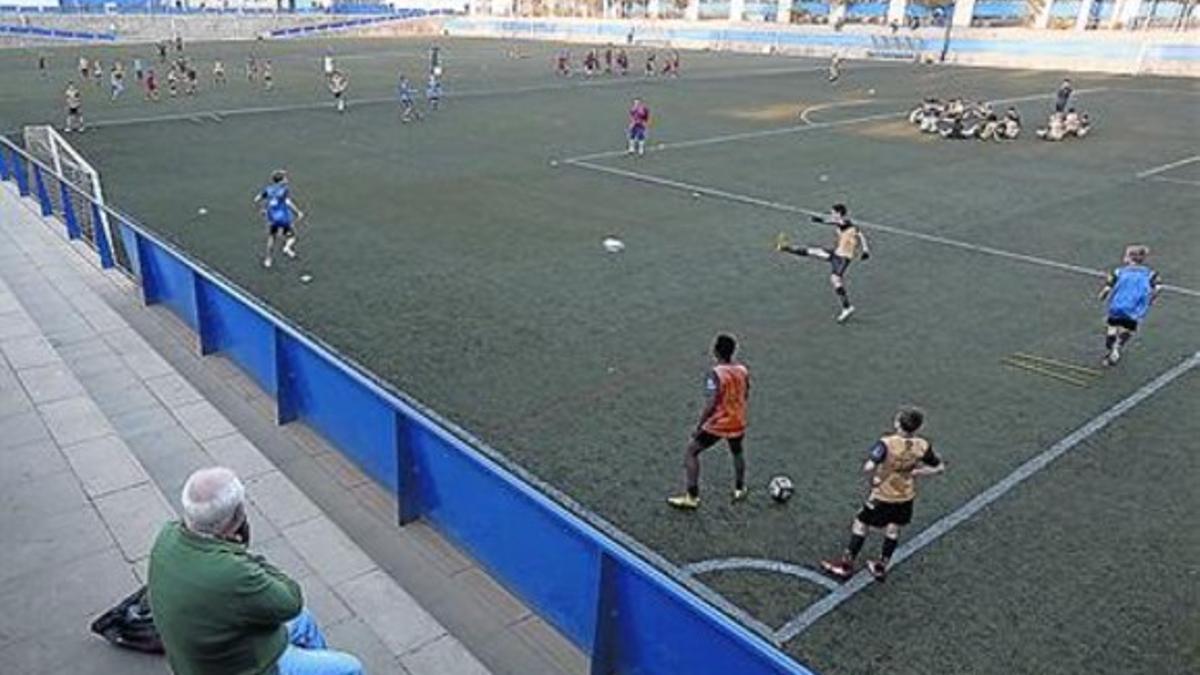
(202,211)
(305,278)
(823,178)
(613,245)
(695,195)
(554,162)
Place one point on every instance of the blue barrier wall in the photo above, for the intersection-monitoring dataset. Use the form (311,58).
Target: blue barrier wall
(627,615)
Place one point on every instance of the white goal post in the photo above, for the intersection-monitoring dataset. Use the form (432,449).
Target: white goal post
(47,145)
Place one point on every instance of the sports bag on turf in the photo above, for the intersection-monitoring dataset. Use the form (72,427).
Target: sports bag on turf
(130,625)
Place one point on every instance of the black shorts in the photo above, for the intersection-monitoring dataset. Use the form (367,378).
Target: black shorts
(1125,322)
(337,94)
(837,264)
(706,440)
(881,514)
(286,228)
(73,112)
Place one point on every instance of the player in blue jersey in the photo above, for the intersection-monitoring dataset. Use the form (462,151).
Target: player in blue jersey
(1130,290)
(405,95)
(282,215)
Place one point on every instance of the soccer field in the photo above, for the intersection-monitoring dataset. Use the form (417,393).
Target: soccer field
(460,259)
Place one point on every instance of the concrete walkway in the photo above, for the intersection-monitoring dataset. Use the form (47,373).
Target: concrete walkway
(98,431)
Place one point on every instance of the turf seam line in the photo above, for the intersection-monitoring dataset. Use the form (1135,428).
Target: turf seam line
(946,523)
(795,128)
(1167,167)
(469,93)
(899,231)
(762,564)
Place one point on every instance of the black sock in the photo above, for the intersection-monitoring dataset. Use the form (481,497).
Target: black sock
(855,545)
(889,547)
(841,293)
(1109,341)
(694,491)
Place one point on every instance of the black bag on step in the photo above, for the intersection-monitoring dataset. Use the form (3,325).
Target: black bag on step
(130,625)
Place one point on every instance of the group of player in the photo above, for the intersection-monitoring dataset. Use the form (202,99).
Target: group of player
(898,458)
(615,61)
(959,118)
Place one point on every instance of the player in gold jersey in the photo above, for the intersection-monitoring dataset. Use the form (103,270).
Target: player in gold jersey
(895,461)
(850,244)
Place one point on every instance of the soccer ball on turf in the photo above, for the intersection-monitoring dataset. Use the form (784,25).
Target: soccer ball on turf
(780,488)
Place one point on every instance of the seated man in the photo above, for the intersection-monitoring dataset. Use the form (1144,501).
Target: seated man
(220,609)
(1010,127)
(991,129)
(1053,131)
(1075,124)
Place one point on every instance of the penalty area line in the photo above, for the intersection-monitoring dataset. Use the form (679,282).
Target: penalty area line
(946,523)
(751,200)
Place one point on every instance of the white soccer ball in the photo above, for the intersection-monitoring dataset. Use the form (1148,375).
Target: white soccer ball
(305,278)
(870,92)
(613,245)
(781,489)
(823,178)
(202,211)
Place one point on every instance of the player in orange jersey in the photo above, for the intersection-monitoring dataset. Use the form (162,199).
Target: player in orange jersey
(728,389)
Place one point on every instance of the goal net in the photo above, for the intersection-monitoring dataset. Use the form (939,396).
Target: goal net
(47,145)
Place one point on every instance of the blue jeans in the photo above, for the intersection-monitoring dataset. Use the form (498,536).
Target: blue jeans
(307,654)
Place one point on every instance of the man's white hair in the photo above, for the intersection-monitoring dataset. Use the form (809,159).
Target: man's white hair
(211,500)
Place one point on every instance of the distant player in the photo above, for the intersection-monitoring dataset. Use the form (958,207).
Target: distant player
(339,82)
(281,213)
(162,51)
(727,388)
(608,60)
(192,80)
(151,85)
(139,69)
(851,244)
(639,122)
(85,68)
(116,80)
(74,102)
(835,67)
(623,62)
(179,43)
(327,63)
(435,60)
(41,64)
(1063,96)
(894,462)
(97,72)
(268,75)
(218,73)
(406,97)
(172,82)
(591,63)
(433,92)
(1130,291)
(251,68)
(651,61)
(562,63)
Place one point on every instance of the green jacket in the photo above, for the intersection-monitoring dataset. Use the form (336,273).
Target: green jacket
(219,609)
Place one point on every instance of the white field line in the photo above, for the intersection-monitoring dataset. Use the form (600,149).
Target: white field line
(467,93)
(763,565)
(830,106)
(796,128)
(981,501)
(1177,181)
(1167,167)
(912,234)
